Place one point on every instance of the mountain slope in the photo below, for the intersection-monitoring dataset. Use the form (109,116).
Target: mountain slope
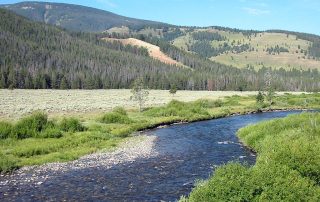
(276,49)
(154,51)
(76,17)
(37,55)
(239,48)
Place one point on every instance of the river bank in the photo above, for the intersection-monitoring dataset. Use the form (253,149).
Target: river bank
(162,164)
(129,151)
(286,169)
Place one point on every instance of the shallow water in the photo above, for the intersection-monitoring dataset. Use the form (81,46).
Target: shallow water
(187,152)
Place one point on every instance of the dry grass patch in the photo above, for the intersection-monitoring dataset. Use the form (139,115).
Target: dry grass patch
(85,103)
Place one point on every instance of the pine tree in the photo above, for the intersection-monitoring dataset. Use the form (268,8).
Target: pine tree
(64,84)
(173,90)
(260,98)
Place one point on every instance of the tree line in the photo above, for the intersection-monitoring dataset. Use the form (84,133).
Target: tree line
(35,55)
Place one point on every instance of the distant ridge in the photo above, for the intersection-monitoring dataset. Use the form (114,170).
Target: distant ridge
(76,17)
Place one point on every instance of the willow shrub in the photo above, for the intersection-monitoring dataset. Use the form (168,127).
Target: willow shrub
(187,111)
(5,129)
(71,125)
(118,115)
(37,125)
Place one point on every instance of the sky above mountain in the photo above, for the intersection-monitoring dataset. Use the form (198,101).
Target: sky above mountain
(293,15)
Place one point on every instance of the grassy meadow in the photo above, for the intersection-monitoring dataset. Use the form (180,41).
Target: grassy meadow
(258,58)
(17,103)
(37,139)
(287,167)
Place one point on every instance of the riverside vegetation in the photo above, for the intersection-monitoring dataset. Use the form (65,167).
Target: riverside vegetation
(287,167)
(35,139)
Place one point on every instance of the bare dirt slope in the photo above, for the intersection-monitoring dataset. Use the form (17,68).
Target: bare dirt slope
(154,51)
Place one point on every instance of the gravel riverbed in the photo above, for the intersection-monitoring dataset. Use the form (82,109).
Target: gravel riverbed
(132,149)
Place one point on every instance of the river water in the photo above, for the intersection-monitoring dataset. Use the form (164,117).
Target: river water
(187,153)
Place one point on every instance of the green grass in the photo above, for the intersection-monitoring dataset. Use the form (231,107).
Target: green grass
(287,167)
(35,139)
(37,125)
(259,57)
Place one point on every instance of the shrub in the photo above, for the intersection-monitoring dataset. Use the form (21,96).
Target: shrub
(37,126)
(176,104)
(51,133)
(7,163)
(114,117)
(204,103)
(119,110)
(260,98)
(71,125)
(181,109)
(218,103)
(5,130)
(30,126)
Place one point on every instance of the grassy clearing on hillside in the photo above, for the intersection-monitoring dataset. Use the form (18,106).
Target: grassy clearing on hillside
(258,58)
(287,167)
(36,140)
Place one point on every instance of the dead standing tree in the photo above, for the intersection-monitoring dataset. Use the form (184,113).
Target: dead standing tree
(139,93)
(268,87)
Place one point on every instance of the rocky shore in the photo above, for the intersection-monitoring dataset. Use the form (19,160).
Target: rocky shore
(134,148)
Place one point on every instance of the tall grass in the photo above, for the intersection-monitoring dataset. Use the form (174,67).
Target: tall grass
(5,130)
(37,125)
(186,111)
(27,138)
(30,126)
(287,168)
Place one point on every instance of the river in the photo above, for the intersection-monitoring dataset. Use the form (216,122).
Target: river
(185,153)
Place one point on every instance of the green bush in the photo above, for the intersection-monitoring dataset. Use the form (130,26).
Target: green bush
(5,130)
(71,125)
(7,163)
(217,103)
(51,133)
(120,110)
(204,103)
(114,117)
(30,126)
(37,126)
(184,110)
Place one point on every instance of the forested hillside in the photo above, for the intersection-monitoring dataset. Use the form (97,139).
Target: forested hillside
(76,17)
(35,55)
(239,48)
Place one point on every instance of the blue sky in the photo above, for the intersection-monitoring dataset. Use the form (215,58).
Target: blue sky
(293,15)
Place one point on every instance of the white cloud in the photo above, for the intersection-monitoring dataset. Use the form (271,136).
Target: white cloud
(255,11)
